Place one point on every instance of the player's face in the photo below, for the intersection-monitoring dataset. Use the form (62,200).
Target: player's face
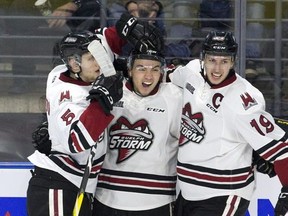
(145,75)
(133,9)
(217,67)
(90,68)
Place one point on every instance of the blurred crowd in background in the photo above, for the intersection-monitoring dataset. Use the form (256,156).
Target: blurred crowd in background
(29,34)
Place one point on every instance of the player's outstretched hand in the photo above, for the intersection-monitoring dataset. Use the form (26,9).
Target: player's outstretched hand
(140,34)
(107,91)
(282,204)
(40,138)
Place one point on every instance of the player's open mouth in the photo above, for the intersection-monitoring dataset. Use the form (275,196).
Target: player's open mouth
(146,84)
(216,75)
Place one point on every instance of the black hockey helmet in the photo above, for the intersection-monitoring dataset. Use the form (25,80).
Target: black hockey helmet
(221,43)
(75,44)
(150,54)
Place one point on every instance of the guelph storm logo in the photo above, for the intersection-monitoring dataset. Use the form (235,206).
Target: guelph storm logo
(192,128)
(128,138)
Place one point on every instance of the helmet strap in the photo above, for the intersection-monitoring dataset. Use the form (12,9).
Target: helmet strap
(73,65)
(202,66)
(77,75)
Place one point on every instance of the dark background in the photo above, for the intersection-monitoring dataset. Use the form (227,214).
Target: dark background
(15,135)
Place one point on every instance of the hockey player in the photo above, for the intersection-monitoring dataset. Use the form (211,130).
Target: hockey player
(146,125)
(223,120)
(138,177)
(75,126)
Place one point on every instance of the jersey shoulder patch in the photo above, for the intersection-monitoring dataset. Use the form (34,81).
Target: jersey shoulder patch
(244,97)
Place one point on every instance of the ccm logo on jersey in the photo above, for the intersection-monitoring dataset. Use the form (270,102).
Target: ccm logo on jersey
(155,109)
(129,138)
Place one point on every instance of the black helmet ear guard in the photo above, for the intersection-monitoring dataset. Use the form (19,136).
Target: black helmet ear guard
(220,43)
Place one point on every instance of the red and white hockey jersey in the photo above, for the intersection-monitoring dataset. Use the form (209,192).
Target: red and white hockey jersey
(75,124)
(219,127)
(139,171)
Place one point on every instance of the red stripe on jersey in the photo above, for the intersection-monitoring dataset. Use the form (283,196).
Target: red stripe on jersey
(55,202)
(96,168)
(136,182)
(76,143)
(278,147)
(67,164)
(68,160)
(221,179)
(232,206)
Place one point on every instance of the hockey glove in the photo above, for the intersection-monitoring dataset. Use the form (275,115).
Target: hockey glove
(168,70)
(107,91)
(175,62)
(179,62)
(282,204)
(263,166)
(40,139)
(140,34)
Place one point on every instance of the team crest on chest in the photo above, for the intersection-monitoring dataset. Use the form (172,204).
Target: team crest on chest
(129,138)
(192,128)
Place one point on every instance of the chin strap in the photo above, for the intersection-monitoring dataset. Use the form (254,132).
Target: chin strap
(77,75)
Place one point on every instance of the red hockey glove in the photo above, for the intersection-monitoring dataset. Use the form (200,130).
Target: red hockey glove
(107,91)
